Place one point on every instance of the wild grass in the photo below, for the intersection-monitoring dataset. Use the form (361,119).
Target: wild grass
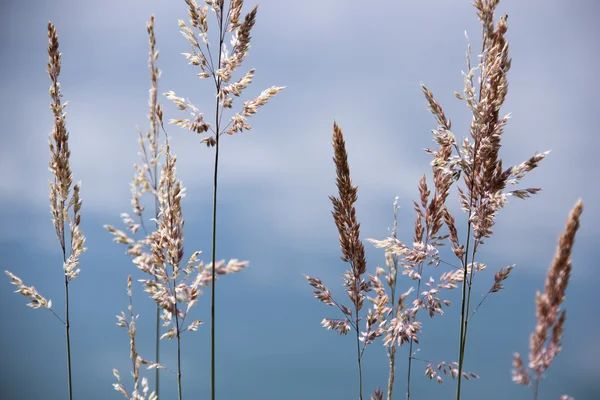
(471,166)
(483,193)
(163,260)
(64,197)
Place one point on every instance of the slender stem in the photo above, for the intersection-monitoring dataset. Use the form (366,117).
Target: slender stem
(157,327)
(156,214)
(214,224)
(536,386)
(179,394)
(213,259)
(391,350)
(67,324)
(154,178)
(157,348)
(469,289)
(175,265)
(464,283)
(409,371)
(464,300)
(391,377)
(466,296)
(462,319)
(463,316)
(358,353)
(68,334)
(410,354)
(57,317)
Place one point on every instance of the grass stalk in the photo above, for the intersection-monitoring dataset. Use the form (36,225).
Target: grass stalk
(358,353)
(221,74)
(410,347)
(157,352)
(175,222)
(68,337)
(353,253)
(63,195)
(213,297)
(154,123)
(465,294)
(391,350)
(545,340)
(392,373)
(179,392)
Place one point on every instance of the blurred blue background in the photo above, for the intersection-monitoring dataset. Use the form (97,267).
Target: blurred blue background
(360,63)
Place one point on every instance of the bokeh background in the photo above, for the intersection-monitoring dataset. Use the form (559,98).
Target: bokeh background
(358,62)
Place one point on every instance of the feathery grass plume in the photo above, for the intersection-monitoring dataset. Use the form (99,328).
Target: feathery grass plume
(353,253)
(221,72)
(484,193)
(145,180)
(136,359)
(155,117)
(168,282)
(485,179)
(402,326)
(63,197)
(386,304)
(483,174)
(430,217)
(159,254)
(545,340)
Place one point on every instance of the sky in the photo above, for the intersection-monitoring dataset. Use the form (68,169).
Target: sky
(355,62)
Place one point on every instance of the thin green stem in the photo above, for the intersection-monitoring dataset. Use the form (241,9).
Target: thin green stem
(391,350)
(157,348)
(392,375)
(359,356)
(410,354)
(463,315)
(68,334)
(360,382)
(175,265)
(179,393)
(536,387)
(213,259)
(466,297)
(67,324)
(464,311)
(214,212)
(156,214)
(469,289)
